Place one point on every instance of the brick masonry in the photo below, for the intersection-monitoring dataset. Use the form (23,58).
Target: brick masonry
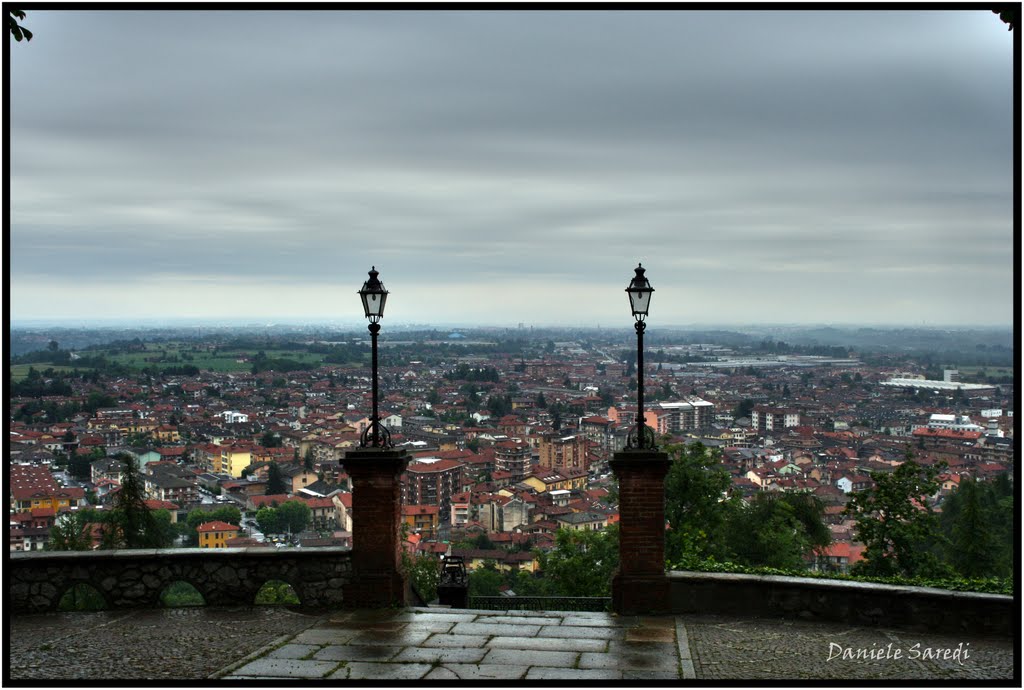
(376,511)
(640,585)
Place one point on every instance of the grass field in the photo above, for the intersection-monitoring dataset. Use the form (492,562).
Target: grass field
(224,361)
(19,372)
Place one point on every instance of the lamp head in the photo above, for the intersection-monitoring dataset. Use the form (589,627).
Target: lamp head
(639,292)
(374,296)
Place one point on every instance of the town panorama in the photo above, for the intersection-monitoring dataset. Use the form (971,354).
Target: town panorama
(510,430)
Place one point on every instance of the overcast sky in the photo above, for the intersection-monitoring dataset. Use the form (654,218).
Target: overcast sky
(505,167)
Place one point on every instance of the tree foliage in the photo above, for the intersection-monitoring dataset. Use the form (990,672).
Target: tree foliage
(16,30)
(275,482)
(896,524)
(978,521)
(582,562)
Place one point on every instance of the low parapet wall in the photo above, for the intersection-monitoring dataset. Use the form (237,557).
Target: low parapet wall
(856,603)
(135,578)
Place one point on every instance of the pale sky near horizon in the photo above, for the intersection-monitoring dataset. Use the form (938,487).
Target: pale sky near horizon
(508,166)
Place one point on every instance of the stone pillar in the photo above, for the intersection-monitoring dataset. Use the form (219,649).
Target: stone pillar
(641,585)
(377,580)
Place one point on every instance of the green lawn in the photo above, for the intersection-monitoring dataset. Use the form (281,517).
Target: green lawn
(19,372)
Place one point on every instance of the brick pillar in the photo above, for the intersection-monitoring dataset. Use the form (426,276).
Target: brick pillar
(377,581)
(640,585)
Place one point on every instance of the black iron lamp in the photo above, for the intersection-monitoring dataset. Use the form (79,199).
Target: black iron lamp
(374,296)
(639,291)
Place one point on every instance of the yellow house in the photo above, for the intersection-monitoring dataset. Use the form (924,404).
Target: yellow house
(215,534)
(167,433)
(422,518)
(234,459)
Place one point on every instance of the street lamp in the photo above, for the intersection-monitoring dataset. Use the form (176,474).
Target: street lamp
(374,295)
(639,292)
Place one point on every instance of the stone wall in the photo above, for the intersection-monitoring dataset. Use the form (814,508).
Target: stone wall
(857,603)
(136,578)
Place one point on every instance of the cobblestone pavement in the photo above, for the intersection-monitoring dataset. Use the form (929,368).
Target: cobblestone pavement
(727,647)
(471,645)
(157,644)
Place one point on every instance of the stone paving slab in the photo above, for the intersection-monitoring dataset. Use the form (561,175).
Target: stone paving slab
(486,671)
(530,657)
(582,632)
(287,668)
(390,639)
(367,669)
(356,653)
(523,620)
(561,644)
(442,655)
(488,629)
(546,673)
(293,651)
(454,641)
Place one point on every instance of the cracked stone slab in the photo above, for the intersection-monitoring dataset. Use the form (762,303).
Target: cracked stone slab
(286,668)
(551,644)
(546,673)
(369,669)
(486,671)
(487,629)
(416,616)
(322,636)
(530,657)
(390,639)
(293,651)
(520,620)
(356,653)
(454,641)
(581,632)
(444,655)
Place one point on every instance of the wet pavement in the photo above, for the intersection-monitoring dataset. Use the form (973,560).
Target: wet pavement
(454,645)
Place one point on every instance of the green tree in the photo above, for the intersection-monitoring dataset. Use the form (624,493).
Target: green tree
(294,516)
(694,507)
(775,529)
(896,524)
(268,520)
(70,533)
(978,520)
(132,525)
(485,581)
(307,459)
(743,409)
(271,440)
(275,482)
(541,401)
(582,562)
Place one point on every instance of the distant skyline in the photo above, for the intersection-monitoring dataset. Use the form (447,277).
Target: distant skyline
(774,167)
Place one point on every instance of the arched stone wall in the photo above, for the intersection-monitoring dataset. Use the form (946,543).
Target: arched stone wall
(135,578)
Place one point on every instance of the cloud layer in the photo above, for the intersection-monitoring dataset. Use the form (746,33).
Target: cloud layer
(501,167)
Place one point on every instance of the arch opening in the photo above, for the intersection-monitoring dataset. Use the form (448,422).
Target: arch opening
(181,593)
(82,597)
(276,593)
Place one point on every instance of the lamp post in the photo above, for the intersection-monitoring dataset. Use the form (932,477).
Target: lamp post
(374,296)
(640,585)
(639,292)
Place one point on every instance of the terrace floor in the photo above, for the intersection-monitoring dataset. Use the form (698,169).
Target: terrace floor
(214,643)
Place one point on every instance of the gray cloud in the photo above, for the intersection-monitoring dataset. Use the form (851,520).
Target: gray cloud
(856,165)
